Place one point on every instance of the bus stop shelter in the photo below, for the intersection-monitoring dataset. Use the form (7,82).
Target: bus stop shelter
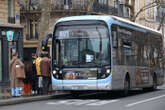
(11,37)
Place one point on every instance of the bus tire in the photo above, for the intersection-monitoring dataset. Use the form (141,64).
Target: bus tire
(75,94)
(154,85)
(126,85)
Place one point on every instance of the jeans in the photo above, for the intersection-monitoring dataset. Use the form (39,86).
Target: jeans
(46,83)
(16,91)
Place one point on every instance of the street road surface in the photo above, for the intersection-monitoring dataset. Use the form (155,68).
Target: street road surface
(137,100)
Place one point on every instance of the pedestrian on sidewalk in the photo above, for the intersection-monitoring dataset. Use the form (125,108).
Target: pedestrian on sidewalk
(39,76)
(28,79)
(17,74)
(34,75)
(45,72)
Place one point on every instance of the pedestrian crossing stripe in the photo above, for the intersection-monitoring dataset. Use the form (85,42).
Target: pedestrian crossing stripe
(82,102)
(102,102)
(85,102)
(51,103)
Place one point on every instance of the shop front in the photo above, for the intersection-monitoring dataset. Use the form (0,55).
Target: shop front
(11,37)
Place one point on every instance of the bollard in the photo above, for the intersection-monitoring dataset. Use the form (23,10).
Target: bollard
(5,93)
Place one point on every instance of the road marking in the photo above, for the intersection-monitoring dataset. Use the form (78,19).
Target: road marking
(51,103)
(82,102)
(71,102)
(143,101)
(102,102)
(58,102)
(78,102)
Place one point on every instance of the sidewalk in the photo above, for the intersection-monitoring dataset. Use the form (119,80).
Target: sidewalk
(24,99)
(8,100)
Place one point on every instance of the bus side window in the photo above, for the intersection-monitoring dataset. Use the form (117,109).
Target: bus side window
(57,46)
(114,39)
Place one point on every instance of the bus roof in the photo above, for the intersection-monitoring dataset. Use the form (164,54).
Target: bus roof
(135,24)
(106,18)
(85,17)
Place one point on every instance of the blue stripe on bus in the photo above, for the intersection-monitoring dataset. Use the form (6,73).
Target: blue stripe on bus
(55,81)
(99,81)
(106,80)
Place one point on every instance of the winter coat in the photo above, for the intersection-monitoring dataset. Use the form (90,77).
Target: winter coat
(15,82)
(45,67)
(37,63)
(28,72)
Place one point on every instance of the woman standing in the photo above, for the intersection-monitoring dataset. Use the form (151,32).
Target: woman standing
(28,79)
(16,75)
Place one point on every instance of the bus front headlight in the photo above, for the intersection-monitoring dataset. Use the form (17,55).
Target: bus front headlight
(108,71)
(54,72)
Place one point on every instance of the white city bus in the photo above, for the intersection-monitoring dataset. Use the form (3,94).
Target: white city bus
(96,52)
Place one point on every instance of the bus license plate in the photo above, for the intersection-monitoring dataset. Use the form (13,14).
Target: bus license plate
(75,87)
(78,87)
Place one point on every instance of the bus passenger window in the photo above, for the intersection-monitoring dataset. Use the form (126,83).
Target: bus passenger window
(114,39)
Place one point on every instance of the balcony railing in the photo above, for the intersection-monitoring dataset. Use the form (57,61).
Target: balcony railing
(72,5)
(83,5)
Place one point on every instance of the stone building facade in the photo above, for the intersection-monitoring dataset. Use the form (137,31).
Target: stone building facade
(3,11)
(9,12)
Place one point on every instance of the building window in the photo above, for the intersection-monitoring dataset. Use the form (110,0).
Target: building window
(150,11)
(34,4)
(67,4)
(160,11)
(124,10)
(116,3)
(102,2)
(11,11)
(33,30)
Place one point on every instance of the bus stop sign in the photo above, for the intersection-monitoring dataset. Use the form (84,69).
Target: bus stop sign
(10,35)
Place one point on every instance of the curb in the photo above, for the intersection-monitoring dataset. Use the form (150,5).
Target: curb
(20,100)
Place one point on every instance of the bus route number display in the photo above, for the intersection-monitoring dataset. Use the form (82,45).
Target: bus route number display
(64,34)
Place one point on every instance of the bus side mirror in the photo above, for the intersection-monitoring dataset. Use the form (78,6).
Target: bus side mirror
(45,42)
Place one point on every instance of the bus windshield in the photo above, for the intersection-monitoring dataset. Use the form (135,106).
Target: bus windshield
(82,46)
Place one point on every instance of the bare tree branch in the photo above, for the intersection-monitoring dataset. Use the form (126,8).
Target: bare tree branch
(150,5)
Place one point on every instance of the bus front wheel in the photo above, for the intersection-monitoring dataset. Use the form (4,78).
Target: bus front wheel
(75,94)
(154,85)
